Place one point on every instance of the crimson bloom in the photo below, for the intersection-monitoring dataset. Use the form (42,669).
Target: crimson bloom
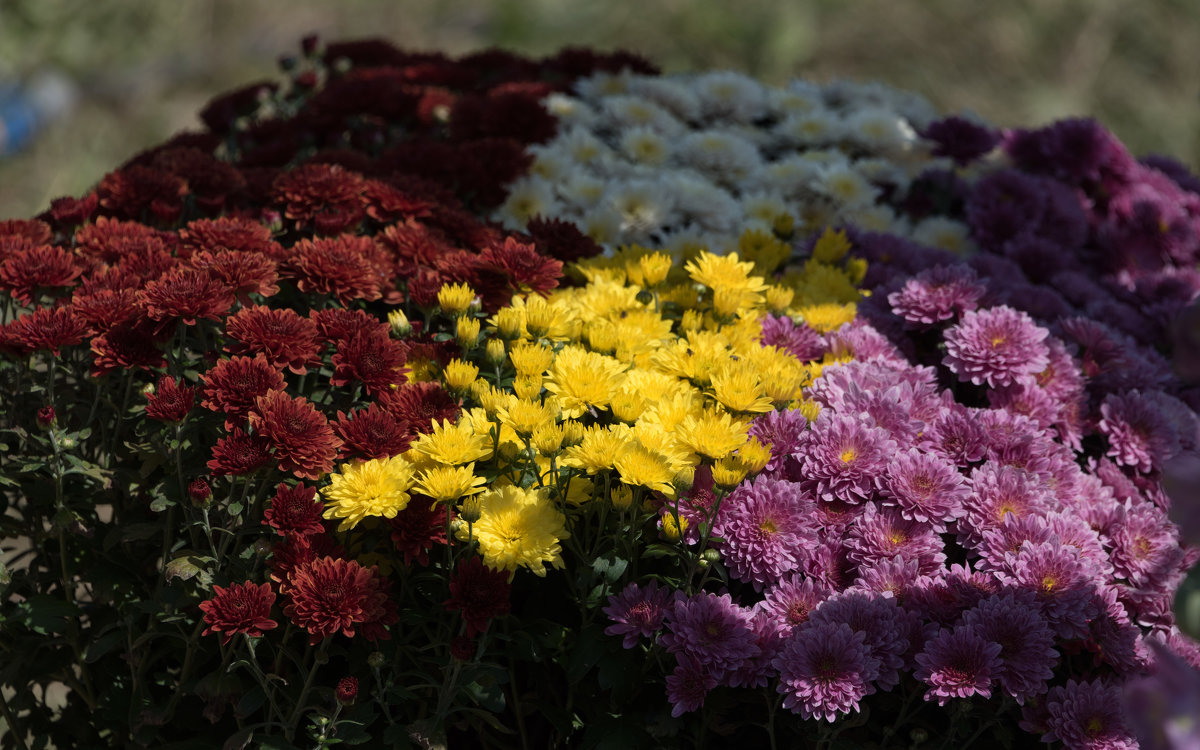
(37,267)
(241,608)
(239,453)
(48,329)
(479,593)
(301,436)
(232,385)
(186,294)
(127,346)
(295,510)
(346,266)
(282,336)
(374,359)
(373,432)
(330,595)
(170,401)
(416,528)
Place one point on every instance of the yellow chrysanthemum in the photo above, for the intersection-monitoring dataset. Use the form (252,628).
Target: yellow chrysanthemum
(525,416)
(738,388)
(827,317)
(509,323)
(627,406)
(518,528)
(810,409)
(779,298)
(674,527)
(754,455)
(581,380)
(454,299)
(831,246)
(379,487)
(598,449)
(819,283)
(654,268)
(528,387)
(531,358)
(548,439)
(712,434)
(459,375)
(651,384)
(724,272)
(728,472)
(446,484)
(494,351)
(399,324)
(454,444)
(466,332)
(639,465)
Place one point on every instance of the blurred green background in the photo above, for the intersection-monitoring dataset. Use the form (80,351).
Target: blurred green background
(143,68)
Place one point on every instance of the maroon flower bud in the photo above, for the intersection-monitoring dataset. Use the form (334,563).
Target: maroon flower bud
(46,416)
(462,648)
(199,492)
(309,44)
(347,690)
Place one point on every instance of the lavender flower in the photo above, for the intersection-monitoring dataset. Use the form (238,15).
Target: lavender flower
(937,294)
(781,429)
(840,456)
(637,612)
(711,629)
(923,486)
(1061,582)
(997,346)
(1139,434)
(878,617)
(1087,715)
(764,527)
(1013,621)
(825,669)
(958,663)
(960,139)
(880,534)
(801,341)
(688,684)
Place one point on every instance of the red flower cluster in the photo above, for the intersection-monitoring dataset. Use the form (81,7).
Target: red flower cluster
(241,608)
(330,595)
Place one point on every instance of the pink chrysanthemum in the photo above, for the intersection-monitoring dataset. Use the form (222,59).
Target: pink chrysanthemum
(937,294)
(792,600)
(881,534)
(1027,655)
(957,663)
(1145,546)
(997,346)
(711,629)
(781,430)
(825,669)
(764,530)
(924,487)
(998,492)
(1087,716)
(879,618)
(840,457)
(688,684)
(956,435)
(1139,434)
(637,612)
(1062,584)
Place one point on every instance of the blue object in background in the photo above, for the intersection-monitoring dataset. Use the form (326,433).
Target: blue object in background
(25,110)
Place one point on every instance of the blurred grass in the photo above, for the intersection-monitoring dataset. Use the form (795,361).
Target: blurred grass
(145,67)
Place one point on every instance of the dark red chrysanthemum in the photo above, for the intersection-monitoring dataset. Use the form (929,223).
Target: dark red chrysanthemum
(325,197)
(284,338)
(232,385)
(296,549)
(415,245)
(562,240)
(416,528)
(243,273)
(199,492)
(67,212)
(31,230)
(127,346)
(346,266)
(37,267)
(420,404)
(374,359)
(479,593)
(47,329)
(301,436)
(330,596)
(241,608)
(239,453)
(170,401)
(373,432)
(210,181)
(524,268)
(108,242)
(104,308)
(143,194)
(346,691)
(295,510)
(386,202)
(186,294)
(336,323)
(423,288)
(226,233)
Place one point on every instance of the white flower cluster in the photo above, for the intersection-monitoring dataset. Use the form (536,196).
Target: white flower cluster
(695,160)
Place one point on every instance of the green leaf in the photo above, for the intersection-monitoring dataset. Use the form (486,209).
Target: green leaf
(45,614)
(588,650)
(187,567)
(102,645)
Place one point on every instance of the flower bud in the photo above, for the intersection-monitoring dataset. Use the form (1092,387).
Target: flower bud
(470,510)
(68,442)
(199,492)
(347,690)
(399,324)
(466,332)
(376,660)
(494,352)
(46,416)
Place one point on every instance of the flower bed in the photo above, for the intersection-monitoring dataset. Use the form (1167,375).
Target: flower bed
(501,402)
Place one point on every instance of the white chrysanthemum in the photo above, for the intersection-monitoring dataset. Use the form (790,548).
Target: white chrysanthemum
(550,163)
(845,185)
(879,170)
(816,126)
(669,93)
(722,156)
(880,129)
(569,111)
(799,97)
(790,176)
(705,204)
(730,95)
(877,218)
(763,208)
(581,147)
(945,234)
(602,224)
(630,111)
(645,146)
(643,205)
(581,189)
(689,239)
(527,197)
(600,85)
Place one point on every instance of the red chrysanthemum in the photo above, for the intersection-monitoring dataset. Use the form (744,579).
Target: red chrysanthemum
(227,233)
(295,510)
(330,596)
(522,267)
(296,549)
(243,273)
(301,436)
(47,328)
(479,593)
(416,528)
(143,193)
(186,294)
(420,404)
(284,338)
(325,197)
(104,308)
(33,231)
(386,202)
(415,245)
(107,242)
(346,266)
(170,401)
(127,346)
(373,432)
(562,240)
(211,182)
(37,267)
(67,212)
(239,453)
(374,359)
(346,691)
(337,323)
(241,608)
(232,385)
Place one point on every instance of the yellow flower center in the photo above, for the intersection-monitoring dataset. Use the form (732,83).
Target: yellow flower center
(848,455)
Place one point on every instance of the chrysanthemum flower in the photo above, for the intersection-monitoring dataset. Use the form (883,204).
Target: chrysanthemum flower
(346,266)
(372,358)
(923,486)
(518,527)
(240,608)
(882,533)
(687,685)
(1139,434)
(302,438)
(479,593)
(881,620)
(371,433)
(284,338)
(957,663)
(239,453)
(711,433)
(186,294)
(599,448)
(582,380)
(36,267)
(243,273)
(327,197)
(170,401)
(127,346)
(445,484)
(1061,582)
(940,293)
(232,385)
(637,612)
(792,599)
(1087,716)
(738,387)
(417,528)
(454,444)
(841,456)
(295,510)
(997,346)
(328,596)
(421,405)
(48,329)
(765,528)
(825,670)
(379,487)
(639,465)
(1145,546)
(1027,654)
(711,629)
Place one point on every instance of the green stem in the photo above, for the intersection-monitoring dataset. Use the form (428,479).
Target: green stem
(312,674)
(14,730)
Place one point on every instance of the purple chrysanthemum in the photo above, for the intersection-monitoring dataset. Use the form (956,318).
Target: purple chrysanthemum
(1162,705)
(1004,205)
(879,618)
(958,663)
(841,455)
(792,600)
(765,528)
(637,612)
(937,294)
(757,671)
(863,343)
(781,430)
(1028,400)
(688,684)
(998,491)
(1062,584)
(1012,620)
(825,669)
(957,435)
(924,487)
(711,629)
(1139,434)
(1145,546)
(882,533)
(996,346)
(1073,149)
(1087,715)
(960,139)
(943,599)
(893,577)
(801,341)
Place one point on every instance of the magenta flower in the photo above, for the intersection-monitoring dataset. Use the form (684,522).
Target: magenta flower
(937,294)
(956,435)
(1061,582)
(1027,655)
(825,669)
(637,612)
(840,457)
(881,534)
(958,663)
(780,429)
(688,684)
(792,600)
(1145,546)
(764,527)
(1139,434)
(878,618)
(710,629)
(997,346)
(924,487)
(1087,715)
